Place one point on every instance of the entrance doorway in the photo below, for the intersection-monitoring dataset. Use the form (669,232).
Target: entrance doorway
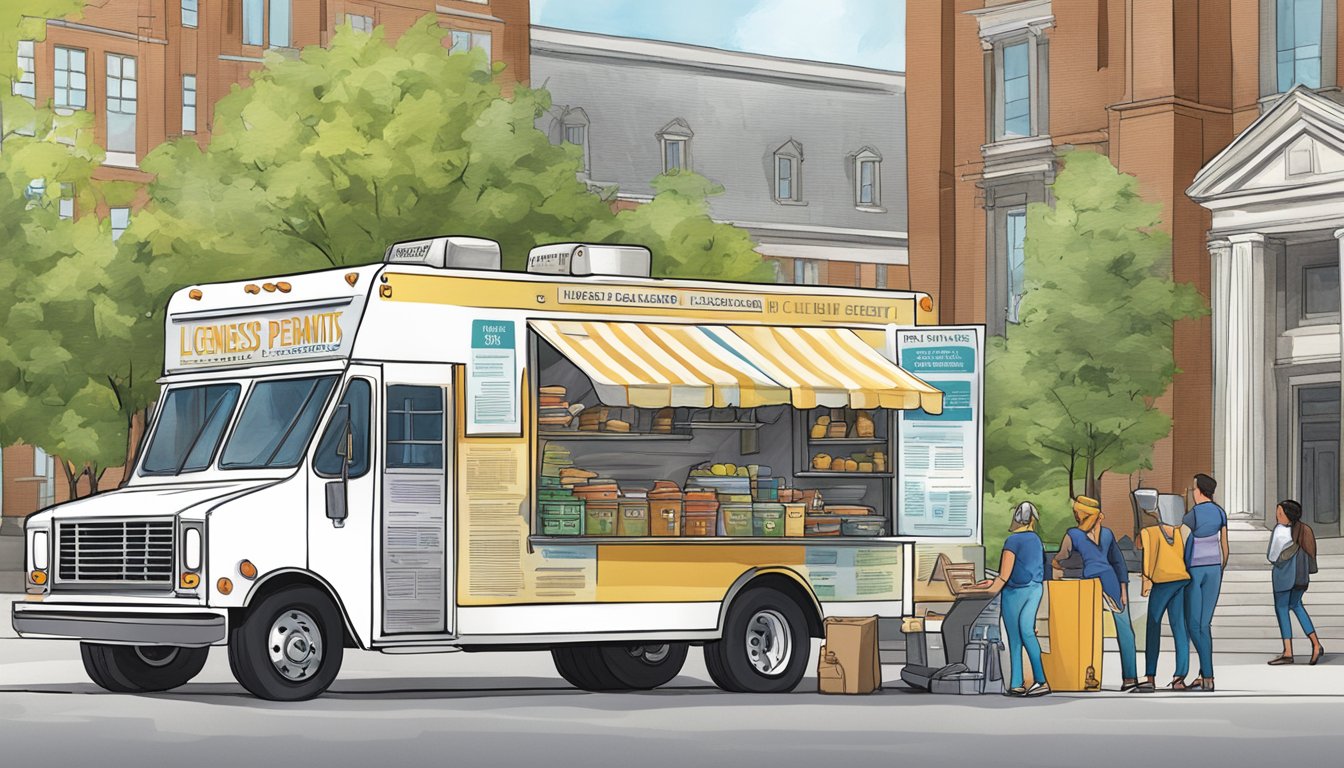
(1318,414)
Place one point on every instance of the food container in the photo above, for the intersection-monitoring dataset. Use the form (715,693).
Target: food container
(555,494)
(765,489)
(822,525)
(562,526)
(848,510)
(698,521)
(735,520)
(597,491)
(767,520)
(549,481)
(633,517)
(665,517)
(863,526)
(730,485)
(599,518)
(794,516)
(571,508)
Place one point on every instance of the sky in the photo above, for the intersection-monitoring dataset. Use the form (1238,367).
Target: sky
(866,33)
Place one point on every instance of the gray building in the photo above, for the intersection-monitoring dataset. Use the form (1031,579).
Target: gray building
(811,155)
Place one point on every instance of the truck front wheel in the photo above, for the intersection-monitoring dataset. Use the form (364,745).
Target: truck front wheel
(289,647)
(141,668)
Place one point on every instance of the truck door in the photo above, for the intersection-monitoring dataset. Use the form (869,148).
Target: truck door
(417,526)
(339,549)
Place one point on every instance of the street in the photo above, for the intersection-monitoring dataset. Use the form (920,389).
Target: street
(512,709)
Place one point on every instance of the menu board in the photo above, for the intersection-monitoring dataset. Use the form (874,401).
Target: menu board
(939,457)
(492,381)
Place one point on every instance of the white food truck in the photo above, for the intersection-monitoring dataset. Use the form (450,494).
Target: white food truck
(433,454)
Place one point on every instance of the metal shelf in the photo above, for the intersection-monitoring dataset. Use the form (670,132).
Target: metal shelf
(848,440)
(838,473)
(611,436)
(719,425)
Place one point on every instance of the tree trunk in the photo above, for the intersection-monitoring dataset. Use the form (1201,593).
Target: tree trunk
(91,471)
(71,479)
(1093,485)
(135,439)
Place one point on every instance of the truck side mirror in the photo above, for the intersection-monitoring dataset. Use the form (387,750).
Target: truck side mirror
(338,507)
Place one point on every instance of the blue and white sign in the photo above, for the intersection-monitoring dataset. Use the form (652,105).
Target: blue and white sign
(492,387)
(939,458)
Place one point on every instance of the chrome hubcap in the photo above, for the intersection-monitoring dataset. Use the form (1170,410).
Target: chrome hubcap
(156,655)
(295,645)
(769,642)
(650,654)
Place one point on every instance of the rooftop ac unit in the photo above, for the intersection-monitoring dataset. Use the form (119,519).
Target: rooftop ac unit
(582,259)
(446,253)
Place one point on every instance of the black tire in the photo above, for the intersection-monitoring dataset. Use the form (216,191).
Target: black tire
(302,615)
(619,667)
(728,660)
(141,668)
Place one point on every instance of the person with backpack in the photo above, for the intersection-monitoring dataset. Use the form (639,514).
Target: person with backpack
(1206,551)
(1103,560)
(1021,582)
(1164,580)
(1292,551)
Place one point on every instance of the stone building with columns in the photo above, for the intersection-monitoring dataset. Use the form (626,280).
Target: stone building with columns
(1276,194)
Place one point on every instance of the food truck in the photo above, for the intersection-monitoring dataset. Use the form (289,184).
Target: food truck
(431,454)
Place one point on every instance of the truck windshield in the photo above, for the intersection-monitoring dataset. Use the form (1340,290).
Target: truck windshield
(190,426)
(276,423)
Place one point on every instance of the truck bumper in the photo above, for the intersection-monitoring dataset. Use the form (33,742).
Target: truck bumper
(122,625)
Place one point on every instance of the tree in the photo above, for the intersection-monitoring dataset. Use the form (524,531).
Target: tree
(326,159)
(1072,389)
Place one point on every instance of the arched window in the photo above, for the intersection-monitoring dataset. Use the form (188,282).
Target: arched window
(574,130)
(788,173)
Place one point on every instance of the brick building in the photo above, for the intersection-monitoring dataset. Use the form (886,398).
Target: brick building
(996,88)
(151,70)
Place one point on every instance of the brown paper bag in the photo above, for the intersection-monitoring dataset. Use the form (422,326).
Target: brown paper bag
(852,642)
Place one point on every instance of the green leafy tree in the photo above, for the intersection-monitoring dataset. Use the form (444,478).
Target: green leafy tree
(1071,390)
(326,159)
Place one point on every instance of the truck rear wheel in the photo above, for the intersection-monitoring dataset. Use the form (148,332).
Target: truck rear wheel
(619,667)
(289,647)
(141,668)
(765,644)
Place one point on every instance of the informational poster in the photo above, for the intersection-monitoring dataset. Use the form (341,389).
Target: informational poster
(492,379)
(938,480)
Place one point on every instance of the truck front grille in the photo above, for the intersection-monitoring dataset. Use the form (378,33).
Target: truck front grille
(122,552)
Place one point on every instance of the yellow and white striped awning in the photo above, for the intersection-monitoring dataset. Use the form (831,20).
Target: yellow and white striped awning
(654,365)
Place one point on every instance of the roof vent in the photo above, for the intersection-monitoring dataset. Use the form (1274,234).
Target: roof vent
(582,259)
(446,253)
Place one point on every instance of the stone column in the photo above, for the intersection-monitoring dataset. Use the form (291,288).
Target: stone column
(1240,364)
(1220,257)
(1339,236)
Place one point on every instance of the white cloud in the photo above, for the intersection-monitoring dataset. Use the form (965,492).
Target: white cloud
(868,33)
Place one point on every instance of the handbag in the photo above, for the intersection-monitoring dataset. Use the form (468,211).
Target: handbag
(1304,568)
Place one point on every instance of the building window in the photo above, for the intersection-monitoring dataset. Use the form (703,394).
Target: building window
(881,278)
(267,17)
(65,207)
(806,272)
(359,23)
(1015,90)
(789,173)
(121,103)
(868,179)
(574,130)
(120,219)
(188,103)
(1015,240)
(1320,290)
(26,85)
(190,13)
(463,40)
(44,468)
(675,142)
(70,79)
(1297,26)
(778,270)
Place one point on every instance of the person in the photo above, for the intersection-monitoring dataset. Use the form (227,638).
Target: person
(1103,560)
(1164,580)
(1021,581)
(1292,551)
(1206,553)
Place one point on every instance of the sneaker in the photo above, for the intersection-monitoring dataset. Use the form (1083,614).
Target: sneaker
(1039,689)
(1018,691)
(1144,687)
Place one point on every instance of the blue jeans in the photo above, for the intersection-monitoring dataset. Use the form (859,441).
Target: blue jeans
(1168,598)
(1201,595)
(1124,637)
(1020,605)
(1291,600)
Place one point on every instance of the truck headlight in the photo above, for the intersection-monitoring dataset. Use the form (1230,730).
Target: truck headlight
(41,553)
(191,549)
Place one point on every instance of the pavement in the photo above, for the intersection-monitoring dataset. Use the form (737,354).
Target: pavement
(512,709)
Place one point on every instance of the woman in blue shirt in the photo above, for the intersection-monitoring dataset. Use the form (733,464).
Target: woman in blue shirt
(1020,579)
(1206,551)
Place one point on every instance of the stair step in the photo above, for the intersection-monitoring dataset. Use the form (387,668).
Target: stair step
(1262,576)
(1314,608)
(1320,620)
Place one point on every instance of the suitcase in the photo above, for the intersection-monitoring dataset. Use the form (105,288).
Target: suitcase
(849,657)
(1073,662)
